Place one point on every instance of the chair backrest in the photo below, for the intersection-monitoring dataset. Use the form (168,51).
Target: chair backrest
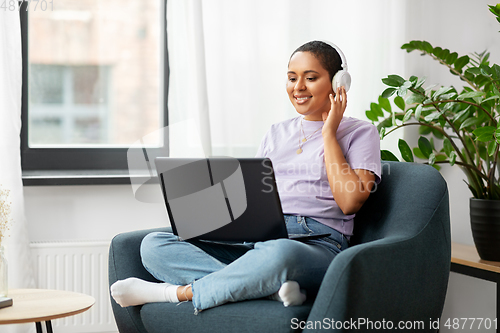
(406,190)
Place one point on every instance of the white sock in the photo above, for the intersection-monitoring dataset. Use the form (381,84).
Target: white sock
(134,291)
(290,294)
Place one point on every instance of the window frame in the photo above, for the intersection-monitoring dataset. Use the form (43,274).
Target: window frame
(99,160)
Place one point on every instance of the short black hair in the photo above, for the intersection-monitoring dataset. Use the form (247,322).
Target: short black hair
(325,53)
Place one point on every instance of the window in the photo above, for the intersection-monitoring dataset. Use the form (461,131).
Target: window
(69,105)
(95,80)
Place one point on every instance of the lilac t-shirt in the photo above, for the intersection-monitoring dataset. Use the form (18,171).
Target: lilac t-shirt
(302,181)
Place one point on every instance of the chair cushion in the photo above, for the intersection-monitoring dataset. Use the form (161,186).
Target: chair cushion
(248,316)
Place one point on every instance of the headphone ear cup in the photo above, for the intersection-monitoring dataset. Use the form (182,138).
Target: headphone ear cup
(341,79)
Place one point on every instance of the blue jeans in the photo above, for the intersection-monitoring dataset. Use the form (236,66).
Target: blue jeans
(221,272)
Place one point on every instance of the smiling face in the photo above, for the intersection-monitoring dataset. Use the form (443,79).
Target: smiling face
(308,86)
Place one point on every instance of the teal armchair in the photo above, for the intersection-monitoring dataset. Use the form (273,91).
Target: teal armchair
(394,273)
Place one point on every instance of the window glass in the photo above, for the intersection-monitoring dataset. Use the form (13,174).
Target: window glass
(95,77)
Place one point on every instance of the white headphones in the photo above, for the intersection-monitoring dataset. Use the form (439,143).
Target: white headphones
(342,78)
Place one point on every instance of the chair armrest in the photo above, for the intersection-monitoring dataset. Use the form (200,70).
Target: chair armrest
(393,279)
(124,262)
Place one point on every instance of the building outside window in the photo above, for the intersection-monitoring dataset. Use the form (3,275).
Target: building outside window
(95,73)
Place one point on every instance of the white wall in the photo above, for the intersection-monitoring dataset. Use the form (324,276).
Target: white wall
(67,213)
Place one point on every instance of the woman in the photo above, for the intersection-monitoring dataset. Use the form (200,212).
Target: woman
(325,165)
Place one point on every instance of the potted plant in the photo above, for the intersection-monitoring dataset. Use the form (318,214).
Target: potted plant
(465,123)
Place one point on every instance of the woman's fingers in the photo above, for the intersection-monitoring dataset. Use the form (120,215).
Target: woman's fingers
(344,98)
(338,101)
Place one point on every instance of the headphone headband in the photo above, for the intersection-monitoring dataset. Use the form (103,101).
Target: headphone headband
(342,78)
(339,51)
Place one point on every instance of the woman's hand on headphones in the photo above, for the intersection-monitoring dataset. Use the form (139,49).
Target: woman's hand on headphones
(333,118)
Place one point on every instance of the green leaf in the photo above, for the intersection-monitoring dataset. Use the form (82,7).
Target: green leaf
(404,88)
(405,151)
(495,90)
(482,150)
(408,47)
(473,70)
(469,144)
(495,69)
(371,115)
(453,157)
(445,54)
(470,122)
(376,109)
(384,123)
(451,95)
(433,116)
(415,98)
(481,80)
(390,82)
(459,115)
(416,44)
(418,153)
(448,148)
(437,51)
(427,47)
(394,80)
(489,99)
(400,102)
(489,130)
(382,133)
(386,155)
(441,91)
(491,148)
(469,76)
(450,60)
(420,82)
(441,157)
(497,135)
(384,103)
(432,159)
(407,115)
(484,61)
(437,134)
(425,146)
(424,130)
(461,62)
(484,137)
(495,9)
(418,111)
(485,70)
(442,122)
(388,92)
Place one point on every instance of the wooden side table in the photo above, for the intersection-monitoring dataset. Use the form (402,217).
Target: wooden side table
(465,260)
(37,305)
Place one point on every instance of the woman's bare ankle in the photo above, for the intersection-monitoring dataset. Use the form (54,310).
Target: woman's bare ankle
(185,293)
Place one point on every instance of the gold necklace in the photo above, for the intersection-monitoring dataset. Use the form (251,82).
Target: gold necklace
(301,142)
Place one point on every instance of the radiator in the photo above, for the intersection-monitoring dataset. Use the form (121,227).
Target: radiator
(80,266)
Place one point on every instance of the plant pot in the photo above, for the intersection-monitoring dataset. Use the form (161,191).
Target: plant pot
(485,224)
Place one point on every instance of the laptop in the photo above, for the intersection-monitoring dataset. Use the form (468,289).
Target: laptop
(223,199)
